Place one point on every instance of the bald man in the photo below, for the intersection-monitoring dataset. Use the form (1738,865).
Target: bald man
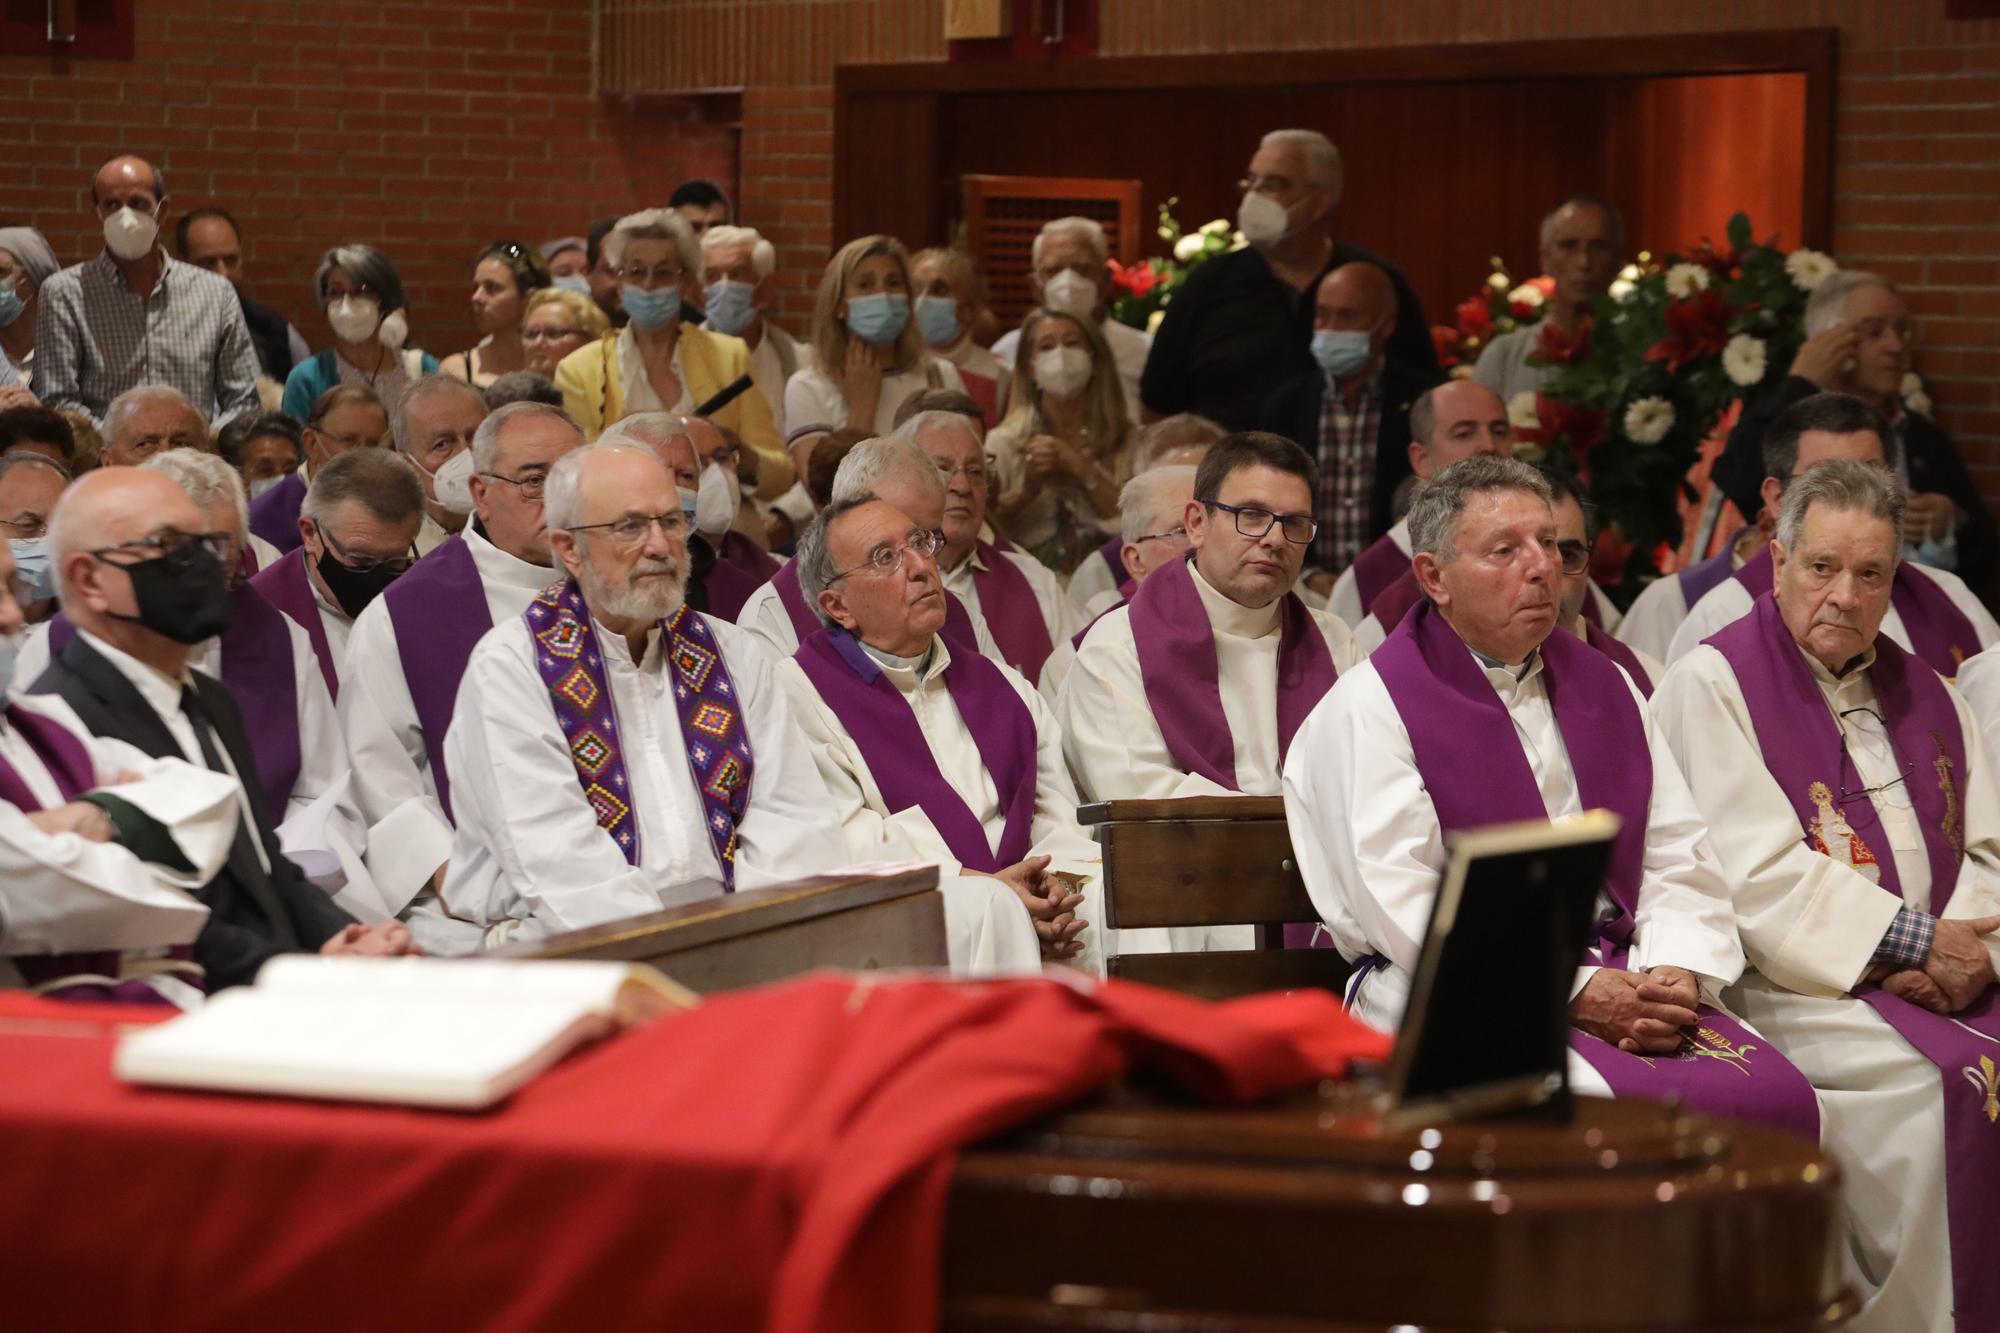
(142,576)
(1351,411)
(147,421)
(135,316)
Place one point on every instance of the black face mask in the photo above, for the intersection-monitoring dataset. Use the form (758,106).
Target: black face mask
(353,588)
(183,595)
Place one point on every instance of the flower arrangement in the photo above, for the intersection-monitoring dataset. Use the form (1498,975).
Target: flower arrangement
(1500,306)
(1140,292)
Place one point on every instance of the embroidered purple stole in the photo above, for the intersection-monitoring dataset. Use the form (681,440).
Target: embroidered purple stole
(1802,748)
(1380,564)
(1619,653)
(885,730)
(957,631)
(1112,553)
(69,766)
(1476,772)
(712,725)
(287,586)
(274,515)
(1939,632)
(1013,614)
(1704,576)
(439,612)
(1126,588)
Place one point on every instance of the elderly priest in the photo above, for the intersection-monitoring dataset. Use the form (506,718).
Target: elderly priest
(1855,817)
(615,751)
(1475,711)
(931,754)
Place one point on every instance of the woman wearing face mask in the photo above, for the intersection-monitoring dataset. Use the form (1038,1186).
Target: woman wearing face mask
(1066,445)
(568,261)
(26,262)
(868,355)
(362,296)
(949,297)
(554,323)
(503,277)
(660,363)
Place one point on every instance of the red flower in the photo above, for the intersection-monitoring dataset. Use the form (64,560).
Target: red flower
(1522,310)
(1139,279)
(1445,341)
(1474,319)
(1563,349)
(1557,422)
(1610,556)
(1696,327)
(1723,263)
(1547,285)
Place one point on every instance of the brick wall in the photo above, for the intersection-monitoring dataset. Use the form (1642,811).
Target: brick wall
(428,130)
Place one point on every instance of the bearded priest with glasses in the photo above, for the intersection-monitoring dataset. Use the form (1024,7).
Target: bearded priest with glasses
(614,751)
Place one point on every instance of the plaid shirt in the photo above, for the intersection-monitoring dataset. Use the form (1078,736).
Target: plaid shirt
(1907,942)
(95,338)
(1348,436)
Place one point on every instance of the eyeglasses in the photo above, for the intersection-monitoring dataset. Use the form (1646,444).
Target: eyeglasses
(1575,556)
(531,485)
(1252,521)
(27,526)
(1847,760)
(360,291)
(633,529)
(924,542)
(1176,536)
(640,275)
(975,473)
(167,542)
(542,333)
(400,564)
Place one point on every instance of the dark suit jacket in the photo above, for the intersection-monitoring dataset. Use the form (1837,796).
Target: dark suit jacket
(1293,412)
(251,916)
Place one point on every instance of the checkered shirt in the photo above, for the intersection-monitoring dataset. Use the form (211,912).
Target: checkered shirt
(1348,436)
(1907,942)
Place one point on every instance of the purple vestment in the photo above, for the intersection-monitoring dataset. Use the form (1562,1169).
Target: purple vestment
(439,612)
(1013,612)
(288,586)
(274,515)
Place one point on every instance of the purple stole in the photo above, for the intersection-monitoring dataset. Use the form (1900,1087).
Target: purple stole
(885,730)
(1619,653)
(257,670)
(439,611)
(1477,774)
(1394,602)
(1013,615)
(69,765)
(1802,748)
(274,515)
(711,717)
(287,586)
(741,567)
(957,631)
(1126,587)
(1112,554)
(1938,630)
(1704,576)
(1380,564)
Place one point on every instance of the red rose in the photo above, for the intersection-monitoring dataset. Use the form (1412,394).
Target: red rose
(1474,320)
(1696,327)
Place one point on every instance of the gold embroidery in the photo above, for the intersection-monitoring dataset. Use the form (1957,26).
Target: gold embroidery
(1830,834)
(1987,1081)
(1708,1042)
(1949,825)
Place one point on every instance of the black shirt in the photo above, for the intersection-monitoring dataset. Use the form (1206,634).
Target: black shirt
(1235,332)
(271,336)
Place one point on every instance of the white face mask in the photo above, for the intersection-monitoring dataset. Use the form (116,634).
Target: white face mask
(1262,219)
(1061,372)
(130,234)
(1072,293)
(716,502)
(451,483)
(353,318)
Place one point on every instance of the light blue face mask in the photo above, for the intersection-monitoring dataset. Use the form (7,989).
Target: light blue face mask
(35,566)
(11,304)
(878,319)
(572,282)
(731,306)
(652,310)
(1341,352)
(937,320)
(10,653)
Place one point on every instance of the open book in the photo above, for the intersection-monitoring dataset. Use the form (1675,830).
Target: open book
(426,1032)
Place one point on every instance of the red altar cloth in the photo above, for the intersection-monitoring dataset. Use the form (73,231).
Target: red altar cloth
(777,1158)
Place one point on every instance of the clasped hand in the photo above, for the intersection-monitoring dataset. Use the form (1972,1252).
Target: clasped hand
(1642,1013)
(1051,904)
(1956,972)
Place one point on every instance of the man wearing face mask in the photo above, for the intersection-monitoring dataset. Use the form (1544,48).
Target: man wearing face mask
(29,487)
(724,566)
(1070,273)
(434,429)
(135,316)
(358,526)
(143,578)
(738,268)
(1241,325)
(408,650)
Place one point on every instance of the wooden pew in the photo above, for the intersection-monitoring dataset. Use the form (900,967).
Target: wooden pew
(848,920)
(1208,861)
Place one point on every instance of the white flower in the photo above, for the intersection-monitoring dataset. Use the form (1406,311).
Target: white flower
(1918,402)
(1236,241)
(1527,294)
(1744,360)
(1219,227)
(1622,289)
(1521,414)
(1497,281)
(1809,268)
(1648,420)
(1684,280)
(1630,273)
(1166,232)
(1187,247)
(1912,383)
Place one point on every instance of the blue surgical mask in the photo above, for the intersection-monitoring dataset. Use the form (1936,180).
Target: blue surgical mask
(572,282)
(11,304)
(1341,352)
(10,653)
(937,320)
(878,319)
(651,311)
(731,306)
(35,566)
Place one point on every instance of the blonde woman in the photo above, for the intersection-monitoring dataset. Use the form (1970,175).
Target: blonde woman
(554,323)
(867,354)
(1065,448)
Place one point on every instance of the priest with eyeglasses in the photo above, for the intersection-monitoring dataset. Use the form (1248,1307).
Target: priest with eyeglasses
(614,751)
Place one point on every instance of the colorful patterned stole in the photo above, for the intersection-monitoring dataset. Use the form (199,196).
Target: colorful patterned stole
(712,725)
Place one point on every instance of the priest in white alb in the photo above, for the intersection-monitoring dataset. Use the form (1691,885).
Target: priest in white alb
(1856,815)
(615,751)
(1477,710)
(936,755)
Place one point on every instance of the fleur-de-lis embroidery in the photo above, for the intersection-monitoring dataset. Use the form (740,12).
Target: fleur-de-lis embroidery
(1987,1081)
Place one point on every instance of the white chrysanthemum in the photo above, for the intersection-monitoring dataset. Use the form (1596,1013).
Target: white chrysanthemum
(1648,420)
(1809,268)
(1622,289)
(1744,360)
(1218,227)
(1497,281)
(1521,414)
(1631,273)
(1684,280)
(1187,247)
(1527,294)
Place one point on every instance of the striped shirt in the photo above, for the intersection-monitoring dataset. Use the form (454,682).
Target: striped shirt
(95,338)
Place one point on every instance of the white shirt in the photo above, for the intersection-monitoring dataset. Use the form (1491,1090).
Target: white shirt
(769,371)
(1979,685)
(812,397)
(432,534)
(1729,601)
(638,388)
(1345,600)
(529,859)
(1129,348)
(1654,615)
(1371,850)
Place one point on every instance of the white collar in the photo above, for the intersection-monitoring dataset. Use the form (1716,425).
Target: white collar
(497,566)
(1228,616)
(907,673)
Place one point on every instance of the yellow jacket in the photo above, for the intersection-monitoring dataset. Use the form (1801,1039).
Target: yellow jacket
(589,380)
